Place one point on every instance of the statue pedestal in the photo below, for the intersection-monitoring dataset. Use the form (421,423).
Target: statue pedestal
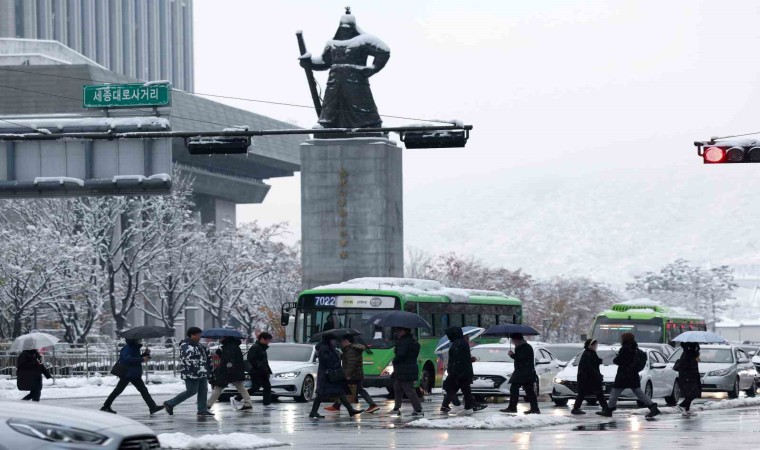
(351,210)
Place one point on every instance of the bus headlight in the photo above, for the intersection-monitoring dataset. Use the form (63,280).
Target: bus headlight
(388,371)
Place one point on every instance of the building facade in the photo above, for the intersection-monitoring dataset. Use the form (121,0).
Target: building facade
(143,39)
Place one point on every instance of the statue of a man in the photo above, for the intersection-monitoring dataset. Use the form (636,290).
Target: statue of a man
(348,101)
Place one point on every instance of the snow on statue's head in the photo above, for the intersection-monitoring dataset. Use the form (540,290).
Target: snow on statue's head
(347,29)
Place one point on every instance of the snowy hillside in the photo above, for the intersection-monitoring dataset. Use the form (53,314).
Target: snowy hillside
(608,225)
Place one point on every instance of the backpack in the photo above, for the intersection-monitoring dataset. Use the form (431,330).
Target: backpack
(641,360)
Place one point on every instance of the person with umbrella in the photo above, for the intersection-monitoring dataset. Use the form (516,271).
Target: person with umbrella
(29,372)
(590,379)
(524,376)
(331,381)
(460,373)
(196,368)
(352,357)
(231,370)
(405,371)
(689,380)
(132,358)
(259,367)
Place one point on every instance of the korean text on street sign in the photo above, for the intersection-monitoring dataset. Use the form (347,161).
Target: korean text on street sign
(129,95)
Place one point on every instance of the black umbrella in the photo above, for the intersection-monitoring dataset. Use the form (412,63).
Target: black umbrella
(218,333)
(399,319)
(338,332)
(509,329)
(147,332)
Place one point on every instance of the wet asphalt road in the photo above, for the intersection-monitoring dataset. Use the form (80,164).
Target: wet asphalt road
(288,422)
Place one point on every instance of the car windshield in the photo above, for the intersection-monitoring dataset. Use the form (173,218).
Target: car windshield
(709,355)
(606,355)
(563,353)
(289,353)
(491,354)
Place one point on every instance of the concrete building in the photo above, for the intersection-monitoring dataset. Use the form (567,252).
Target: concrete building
(143,39)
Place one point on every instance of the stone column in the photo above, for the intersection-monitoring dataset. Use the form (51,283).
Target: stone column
(351,210)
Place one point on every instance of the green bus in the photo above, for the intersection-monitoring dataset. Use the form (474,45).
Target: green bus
(648,320)
(353,303)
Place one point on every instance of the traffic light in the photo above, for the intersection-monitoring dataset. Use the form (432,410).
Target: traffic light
(218,145)
(729,154)
(435,138)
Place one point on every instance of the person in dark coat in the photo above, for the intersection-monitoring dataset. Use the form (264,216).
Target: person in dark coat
(329,372)
(29,371)
(460,373)
(231,370)
(630,361)
(352,357)
(259,367)
(524,376)
(590,379)
(689,380)
(132,357)
(406,371)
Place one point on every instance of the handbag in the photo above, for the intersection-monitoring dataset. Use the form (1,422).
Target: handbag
(336,376)
(119,370)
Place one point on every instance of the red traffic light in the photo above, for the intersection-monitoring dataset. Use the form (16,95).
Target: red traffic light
(714,155)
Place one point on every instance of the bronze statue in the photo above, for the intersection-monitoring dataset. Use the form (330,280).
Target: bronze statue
(348,101)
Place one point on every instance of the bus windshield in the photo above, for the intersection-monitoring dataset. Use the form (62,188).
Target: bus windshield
(608,331)
(313,321)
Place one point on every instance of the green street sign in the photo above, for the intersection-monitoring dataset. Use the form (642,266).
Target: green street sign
(130,95)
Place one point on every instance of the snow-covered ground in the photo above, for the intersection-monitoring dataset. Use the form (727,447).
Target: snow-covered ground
(216,441)
(492,422)
(709,406)
(79,387)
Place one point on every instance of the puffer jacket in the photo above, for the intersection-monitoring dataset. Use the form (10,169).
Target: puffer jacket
(406,352)
(353,361)
(195,359)
(131,356)
(329,361)
(460,359)
(231,367)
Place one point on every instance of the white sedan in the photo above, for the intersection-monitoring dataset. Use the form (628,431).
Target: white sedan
(494,366)
(658,379)
(294,372)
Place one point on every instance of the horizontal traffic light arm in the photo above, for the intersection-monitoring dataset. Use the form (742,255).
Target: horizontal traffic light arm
(109,135)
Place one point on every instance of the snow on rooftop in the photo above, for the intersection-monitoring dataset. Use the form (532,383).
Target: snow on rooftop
(642,302)
(412,286)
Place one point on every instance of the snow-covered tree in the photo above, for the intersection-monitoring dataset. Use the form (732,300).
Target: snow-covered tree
(234,260)
(177,267)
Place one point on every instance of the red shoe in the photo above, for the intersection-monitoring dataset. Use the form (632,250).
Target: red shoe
(331,408)
(372,409)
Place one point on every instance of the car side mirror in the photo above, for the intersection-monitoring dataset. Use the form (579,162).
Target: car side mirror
(543,361)
(563,364)
(659,365)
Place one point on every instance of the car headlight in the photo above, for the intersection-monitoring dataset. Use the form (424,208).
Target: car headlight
(559,381)
(56,433)
(719,373)
(388,371)
(287,375)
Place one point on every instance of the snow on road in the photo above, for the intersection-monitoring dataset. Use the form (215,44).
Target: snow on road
(216,441)
(491,422)
(709,406)
(80,387)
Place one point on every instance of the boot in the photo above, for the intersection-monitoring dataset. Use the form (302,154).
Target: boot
(607,412)
(108,409)
(653,411)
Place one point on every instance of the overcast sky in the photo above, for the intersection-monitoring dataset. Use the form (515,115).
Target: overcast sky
(552,87)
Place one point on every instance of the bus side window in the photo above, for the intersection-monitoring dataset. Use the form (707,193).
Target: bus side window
(428,311)
(411,307)
(487,320)
(471,320)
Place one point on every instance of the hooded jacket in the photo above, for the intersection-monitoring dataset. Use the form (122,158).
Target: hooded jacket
(231,368)
(353,361)
(460,359)
(131,356)
(259,361)
(405,367)
(329,361)
(627,360)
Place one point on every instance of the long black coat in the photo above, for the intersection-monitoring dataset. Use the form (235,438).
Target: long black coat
(460,359)
(590,378)
(231,367)
(627,360)
(29,370)
(689,380)
(525,365)
(258,361)
(405,366)
(329,360)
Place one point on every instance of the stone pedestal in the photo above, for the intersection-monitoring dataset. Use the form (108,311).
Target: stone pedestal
(351,210)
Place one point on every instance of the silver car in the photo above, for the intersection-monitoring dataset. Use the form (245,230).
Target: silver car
(724,368)
(33,426)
